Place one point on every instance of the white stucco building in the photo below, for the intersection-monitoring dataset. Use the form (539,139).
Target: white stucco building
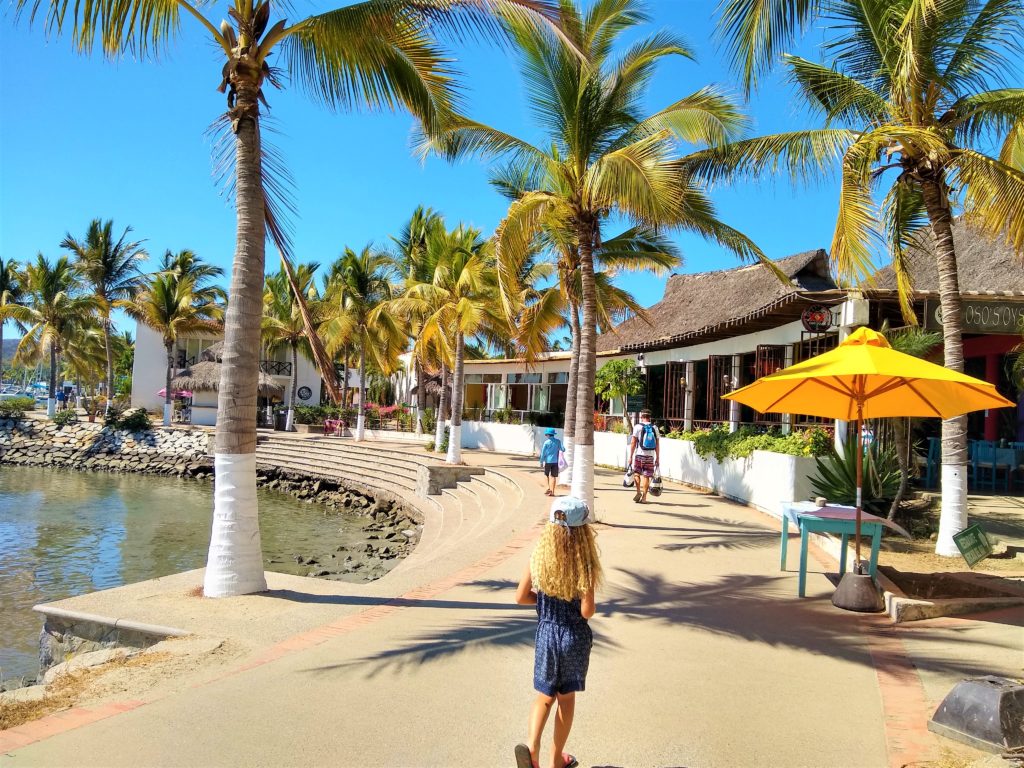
(149,373)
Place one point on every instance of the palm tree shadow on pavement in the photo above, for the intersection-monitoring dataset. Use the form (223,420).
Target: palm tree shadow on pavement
(752,607)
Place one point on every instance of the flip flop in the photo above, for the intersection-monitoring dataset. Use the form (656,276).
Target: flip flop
(636,497)
(570,761)
(523,757)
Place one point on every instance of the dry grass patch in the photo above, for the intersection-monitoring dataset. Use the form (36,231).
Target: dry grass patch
(67,690)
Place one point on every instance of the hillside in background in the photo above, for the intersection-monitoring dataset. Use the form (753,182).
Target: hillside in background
(8,351)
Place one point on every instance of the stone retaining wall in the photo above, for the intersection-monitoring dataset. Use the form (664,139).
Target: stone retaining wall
(86,445)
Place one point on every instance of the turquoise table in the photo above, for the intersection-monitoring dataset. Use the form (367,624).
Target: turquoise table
(829,519)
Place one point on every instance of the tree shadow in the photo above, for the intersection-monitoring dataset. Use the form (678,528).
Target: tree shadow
(711,539)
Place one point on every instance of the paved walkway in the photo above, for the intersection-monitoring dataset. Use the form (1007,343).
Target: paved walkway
(704,656)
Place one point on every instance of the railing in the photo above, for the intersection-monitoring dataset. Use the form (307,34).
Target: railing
(276,368)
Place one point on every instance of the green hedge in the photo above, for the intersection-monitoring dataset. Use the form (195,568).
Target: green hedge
(723,444)
(15,407)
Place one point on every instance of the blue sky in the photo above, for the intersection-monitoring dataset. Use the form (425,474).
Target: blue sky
(83,138)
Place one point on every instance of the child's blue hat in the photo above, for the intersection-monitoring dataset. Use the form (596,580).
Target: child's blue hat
(569,511)
(550,431)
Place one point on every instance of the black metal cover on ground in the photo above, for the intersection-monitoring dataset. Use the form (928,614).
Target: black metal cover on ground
(858,592)
(985,712)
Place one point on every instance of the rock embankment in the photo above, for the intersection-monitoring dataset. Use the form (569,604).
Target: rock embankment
(390,533)
(85,445)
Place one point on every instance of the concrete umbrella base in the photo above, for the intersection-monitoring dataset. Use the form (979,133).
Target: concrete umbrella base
(857,591)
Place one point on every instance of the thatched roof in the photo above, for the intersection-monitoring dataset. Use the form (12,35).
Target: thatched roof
(213,353)
(706,303)
(985,267)
(205,377)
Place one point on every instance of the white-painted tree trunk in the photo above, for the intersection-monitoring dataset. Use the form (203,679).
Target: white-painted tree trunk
(51,407)
(455,436)
(583,474)
(954,509)
(289,421)
(442,407)
(454,445)
(235,563)
(361,418)
(168,414)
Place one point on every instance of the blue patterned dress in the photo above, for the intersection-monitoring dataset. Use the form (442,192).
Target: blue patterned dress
(563,646)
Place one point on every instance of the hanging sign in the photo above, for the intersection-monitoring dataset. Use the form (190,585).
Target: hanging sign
(817,318)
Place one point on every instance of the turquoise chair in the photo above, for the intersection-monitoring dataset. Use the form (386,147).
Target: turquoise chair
(988,461)
(931,471)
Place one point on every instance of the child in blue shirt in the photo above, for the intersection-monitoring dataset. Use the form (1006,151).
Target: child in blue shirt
(549,459)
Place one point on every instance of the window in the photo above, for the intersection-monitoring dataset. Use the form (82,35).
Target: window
(558,378)
(483,378)
(525,378)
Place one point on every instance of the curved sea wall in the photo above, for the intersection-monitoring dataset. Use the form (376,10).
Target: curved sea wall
(86,445)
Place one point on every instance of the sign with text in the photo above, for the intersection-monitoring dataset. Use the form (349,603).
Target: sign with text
(980,316)
(973,544)
(635,403)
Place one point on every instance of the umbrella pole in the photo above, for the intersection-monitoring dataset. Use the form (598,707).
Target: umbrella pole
(860,482)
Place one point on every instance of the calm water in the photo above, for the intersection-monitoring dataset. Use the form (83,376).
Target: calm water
(64,533)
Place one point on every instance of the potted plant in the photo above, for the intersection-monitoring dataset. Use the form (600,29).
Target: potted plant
(309,418)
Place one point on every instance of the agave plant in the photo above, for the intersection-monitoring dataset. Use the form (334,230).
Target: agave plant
(837,476)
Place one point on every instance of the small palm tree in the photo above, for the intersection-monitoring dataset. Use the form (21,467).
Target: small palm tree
(172,306)
(186,264)
(111,268)
(912,99)
(355,307)
(57,307)
(283,326)
(604,155)
(412,261)
(11,297)
(458,302)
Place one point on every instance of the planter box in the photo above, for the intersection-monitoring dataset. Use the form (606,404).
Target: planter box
(314,428)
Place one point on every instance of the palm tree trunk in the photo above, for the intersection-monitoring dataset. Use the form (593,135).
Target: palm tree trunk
(455,438)
(169,346)
(441,406)
(290,420)
(51,403)
(953,517)
(421,394)
(361,418)
(583,449)
(901,440)
(569,430)
(110,362)
(235,562)
(344,378)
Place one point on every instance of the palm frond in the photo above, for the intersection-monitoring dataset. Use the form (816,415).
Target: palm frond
(840,97)
(904,216)
(989,48)
(755,32)
(989,113)
(856,223)
(706,118)
(993,195)
(639,249)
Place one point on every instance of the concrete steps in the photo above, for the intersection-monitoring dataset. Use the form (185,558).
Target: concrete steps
(456,522)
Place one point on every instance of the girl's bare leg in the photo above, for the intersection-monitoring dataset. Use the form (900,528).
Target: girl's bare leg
(563,724)
(538,719)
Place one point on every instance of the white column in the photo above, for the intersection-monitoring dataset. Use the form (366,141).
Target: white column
(734,407)
(688,400)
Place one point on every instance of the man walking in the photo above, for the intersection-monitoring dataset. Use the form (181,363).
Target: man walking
(549,453)
(644,455)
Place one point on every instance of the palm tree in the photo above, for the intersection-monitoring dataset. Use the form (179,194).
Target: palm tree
(912,98)
(375,53)
(604,156)
(356,304)
(57,307)
(457,302)
(111,268)
(172,306)
(283,326)
(413,263)
(11,296)
(185,263)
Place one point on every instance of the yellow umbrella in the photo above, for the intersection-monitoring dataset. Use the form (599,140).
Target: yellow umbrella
(865,378)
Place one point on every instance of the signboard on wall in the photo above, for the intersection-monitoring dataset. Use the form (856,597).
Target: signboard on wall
(636,403)
(1003,317)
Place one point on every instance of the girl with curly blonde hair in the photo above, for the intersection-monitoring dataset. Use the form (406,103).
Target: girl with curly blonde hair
(560,580)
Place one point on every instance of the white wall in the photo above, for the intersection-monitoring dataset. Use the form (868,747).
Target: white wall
(149,371)
(764,479)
